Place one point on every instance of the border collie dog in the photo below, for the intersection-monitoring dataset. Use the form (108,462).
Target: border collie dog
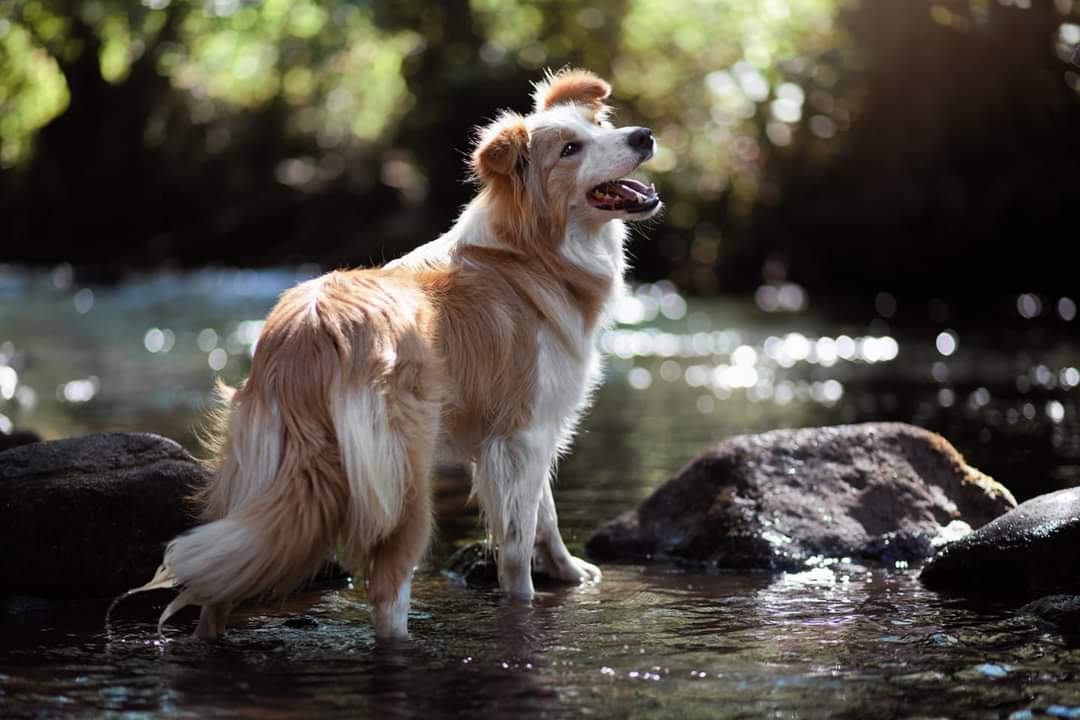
(478,347)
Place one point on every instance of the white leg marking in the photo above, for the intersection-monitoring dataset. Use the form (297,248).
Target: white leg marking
(509,481)
(560,565)
(392,618)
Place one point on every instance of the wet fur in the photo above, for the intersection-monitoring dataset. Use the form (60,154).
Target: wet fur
(479,346)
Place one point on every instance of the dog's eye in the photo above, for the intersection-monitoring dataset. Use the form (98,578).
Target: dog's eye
(570,148)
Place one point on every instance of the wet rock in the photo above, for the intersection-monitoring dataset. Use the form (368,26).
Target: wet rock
(302,622)
(475,565)
(1060,611)
(17,438)
(877,492)
(91,515)
(1028,552)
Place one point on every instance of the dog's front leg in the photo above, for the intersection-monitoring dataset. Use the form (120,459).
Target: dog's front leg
(511,474)
(558,562)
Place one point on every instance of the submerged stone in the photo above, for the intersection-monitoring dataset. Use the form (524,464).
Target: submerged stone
(91,515)
(302,622)
(783,500)
(475,565)
(1028,552)
(1060,611)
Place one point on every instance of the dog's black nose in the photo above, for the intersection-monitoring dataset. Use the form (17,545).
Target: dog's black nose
(641,139)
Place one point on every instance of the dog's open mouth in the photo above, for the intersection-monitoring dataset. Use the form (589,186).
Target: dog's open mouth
(627,195)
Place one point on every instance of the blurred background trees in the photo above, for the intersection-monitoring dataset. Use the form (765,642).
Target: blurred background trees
(849,145)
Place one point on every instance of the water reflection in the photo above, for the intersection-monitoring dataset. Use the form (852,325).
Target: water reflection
(647,641)
(144,355)
(757,369)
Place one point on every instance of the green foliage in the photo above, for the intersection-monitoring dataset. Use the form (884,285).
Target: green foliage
(326,59)
(706,73)
(371,102)
(342,74)
(32,90)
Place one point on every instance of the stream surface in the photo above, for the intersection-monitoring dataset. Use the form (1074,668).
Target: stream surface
(997,375)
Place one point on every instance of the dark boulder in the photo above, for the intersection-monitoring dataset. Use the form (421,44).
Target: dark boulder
(783,500)
(17,438)
(91,515)
(1031,551)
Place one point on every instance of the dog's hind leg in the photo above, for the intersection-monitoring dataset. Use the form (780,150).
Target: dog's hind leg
(212,621)
(388,443)
(392,564)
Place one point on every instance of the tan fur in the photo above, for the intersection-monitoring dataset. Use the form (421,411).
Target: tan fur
(358,374)
(571,86)
(490,305)
(502,148)
(365,328)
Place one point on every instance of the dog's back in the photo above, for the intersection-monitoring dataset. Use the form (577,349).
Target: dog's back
(328,446)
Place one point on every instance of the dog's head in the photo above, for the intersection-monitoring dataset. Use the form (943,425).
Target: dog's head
(564,162)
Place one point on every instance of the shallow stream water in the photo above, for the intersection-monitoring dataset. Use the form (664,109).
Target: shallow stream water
(997,375)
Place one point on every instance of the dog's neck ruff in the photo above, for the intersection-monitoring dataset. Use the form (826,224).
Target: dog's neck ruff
(597,249)
(570,290)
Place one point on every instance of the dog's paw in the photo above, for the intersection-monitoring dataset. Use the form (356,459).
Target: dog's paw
(577,571)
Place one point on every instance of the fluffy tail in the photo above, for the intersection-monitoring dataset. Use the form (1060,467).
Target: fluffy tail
(313,458)
(267,550)
(276,505)
(281,501)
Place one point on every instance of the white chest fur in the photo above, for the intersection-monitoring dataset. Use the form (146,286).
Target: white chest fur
(566,380)
(566,377)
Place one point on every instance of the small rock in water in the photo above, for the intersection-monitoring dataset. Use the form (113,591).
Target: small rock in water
(993,670)
(944,640)
(302,622)
(474,564)
(877,492)
(1028,552)
(1061,611)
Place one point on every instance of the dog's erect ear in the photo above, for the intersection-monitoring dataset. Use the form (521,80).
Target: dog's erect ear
(571,86)
(502,147)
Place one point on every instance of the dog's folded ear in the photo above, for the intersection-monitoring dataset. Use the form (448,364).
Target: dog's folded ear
(502,147)
(571,86)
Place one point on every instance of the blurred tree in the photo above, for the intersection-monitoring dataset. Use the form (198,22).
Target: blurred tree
(190,132)
(948,164)
(262,132)
(791,130)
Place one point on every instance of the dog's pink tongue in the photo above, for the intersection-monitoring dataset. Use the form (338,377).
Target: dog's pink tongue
(632,190)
